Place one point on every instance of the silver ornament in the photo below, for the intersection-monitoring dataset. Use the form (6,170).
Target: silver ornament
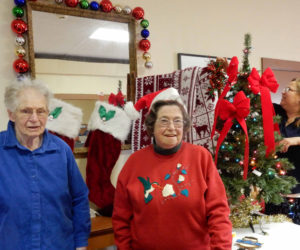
(59,1)
(148,64)
(118,9)
(20,40)
(127,10)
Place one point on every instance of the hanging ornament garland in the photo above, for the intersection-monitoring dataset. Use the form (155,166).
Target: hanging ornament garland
(20,27)
(216,70)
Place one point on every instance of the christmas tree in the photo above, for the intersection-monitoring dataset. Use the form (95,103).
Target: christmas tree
(246,150)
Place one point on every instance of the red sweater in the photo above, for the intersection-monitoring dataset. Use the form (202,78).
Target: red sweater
(173,202)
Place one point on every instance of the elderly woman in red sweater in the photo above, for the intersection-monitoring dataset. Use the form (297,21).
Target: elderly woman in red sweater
(169,195)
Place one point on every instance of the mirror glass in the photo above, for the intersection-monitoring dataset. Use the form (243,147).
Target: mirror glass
(72,62)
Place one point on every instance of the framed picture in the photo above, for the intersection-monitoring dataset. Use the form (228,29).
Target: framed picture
(191,60)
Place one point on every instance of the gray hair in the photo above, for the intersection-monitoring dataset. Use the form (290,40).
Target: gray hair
(12,92)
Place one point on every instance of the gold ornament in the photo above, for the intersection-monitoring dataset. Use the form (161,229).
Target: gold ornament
(20,52)
(118,9)
(147,56)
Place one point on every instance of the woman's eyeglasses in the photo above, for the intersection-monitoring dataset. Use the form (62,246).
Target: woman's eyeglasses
(164,122)
(288,89)
(28,112)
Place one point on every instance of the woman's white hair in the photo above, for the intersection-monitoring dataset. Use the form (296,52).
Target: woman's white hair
(12,92)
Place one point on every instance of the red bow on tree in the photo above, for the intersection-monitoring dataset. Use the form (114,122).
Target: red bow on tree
(238,110)
(116,100)
(263,85)
(232,72)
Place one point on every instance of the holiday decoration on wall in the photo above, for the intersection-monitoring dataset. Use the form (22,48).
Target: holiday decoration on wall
(216,70)
(20,27)
(246,150)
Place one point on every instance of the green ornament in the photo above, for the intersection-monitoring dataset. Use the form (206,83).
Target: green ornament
(55,113)
(105,116)
(144,23)
(84,4)
(18,11)
(271,173)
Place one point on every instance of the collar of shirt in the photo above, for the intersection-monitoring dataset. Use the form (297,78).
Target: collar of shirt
(11,140)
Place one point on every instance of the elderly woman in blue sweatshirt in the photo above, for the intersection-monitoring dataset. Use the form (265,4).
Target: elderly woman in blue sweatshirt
(43,198)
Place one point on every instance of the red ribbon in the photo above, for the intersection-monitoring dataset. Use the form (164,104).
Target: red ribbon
(238,110)
(116,100)
(232,72)
(264,85)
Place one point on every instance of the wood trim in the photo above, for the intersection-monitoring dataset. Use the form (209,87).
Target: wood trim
(82,152)
(52,7)
(81,97)
(102,234)
(30,40)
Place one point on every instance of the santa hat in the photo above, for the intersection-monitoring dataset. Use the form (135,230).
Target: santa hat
(133,111)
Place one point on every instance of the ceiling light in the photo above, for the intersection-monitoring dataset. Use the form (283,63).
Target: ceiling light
(114,35)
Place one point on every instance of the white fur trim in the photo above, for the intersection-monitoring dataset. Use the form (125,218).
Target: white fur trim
(119,126)
(131,111)
(68,122)
(168,94)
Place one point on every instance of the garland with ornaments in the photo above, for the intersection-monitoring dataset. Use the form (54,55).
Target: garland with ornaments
(216,70)
(20,27)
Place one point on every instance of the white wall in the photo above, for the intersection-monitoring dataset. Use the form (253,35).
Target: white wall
(194,26)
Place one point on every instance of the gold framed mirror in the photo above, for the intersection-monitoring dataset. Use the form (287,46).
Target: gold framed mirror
(43,13)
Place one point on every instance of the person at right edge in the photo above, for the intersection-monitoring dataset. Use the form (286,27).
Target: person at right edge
(289,111)
(169,195)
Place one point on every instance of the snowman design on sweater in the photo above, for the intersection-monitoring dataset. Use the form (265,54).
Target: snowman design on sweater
(173,184)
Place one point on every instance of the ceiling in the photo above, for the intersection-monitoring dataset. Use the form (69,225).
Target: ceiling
(58,36)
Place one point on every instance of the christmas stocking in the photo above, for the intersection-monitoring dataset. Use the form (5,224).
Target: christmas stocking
(64,121)
(109,126)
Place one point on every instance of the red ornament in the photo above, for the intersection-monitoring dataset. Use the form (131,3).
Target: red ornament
(21,66)
(144,45)
(72,3)
(138,13)
(19,26)
(106,6)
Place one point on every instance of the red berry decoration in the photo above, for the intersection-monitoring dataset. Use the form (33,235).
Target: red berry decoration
(71,3)
(21,66)
(138,13)
(19,26)
(106,6)
(144,45)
